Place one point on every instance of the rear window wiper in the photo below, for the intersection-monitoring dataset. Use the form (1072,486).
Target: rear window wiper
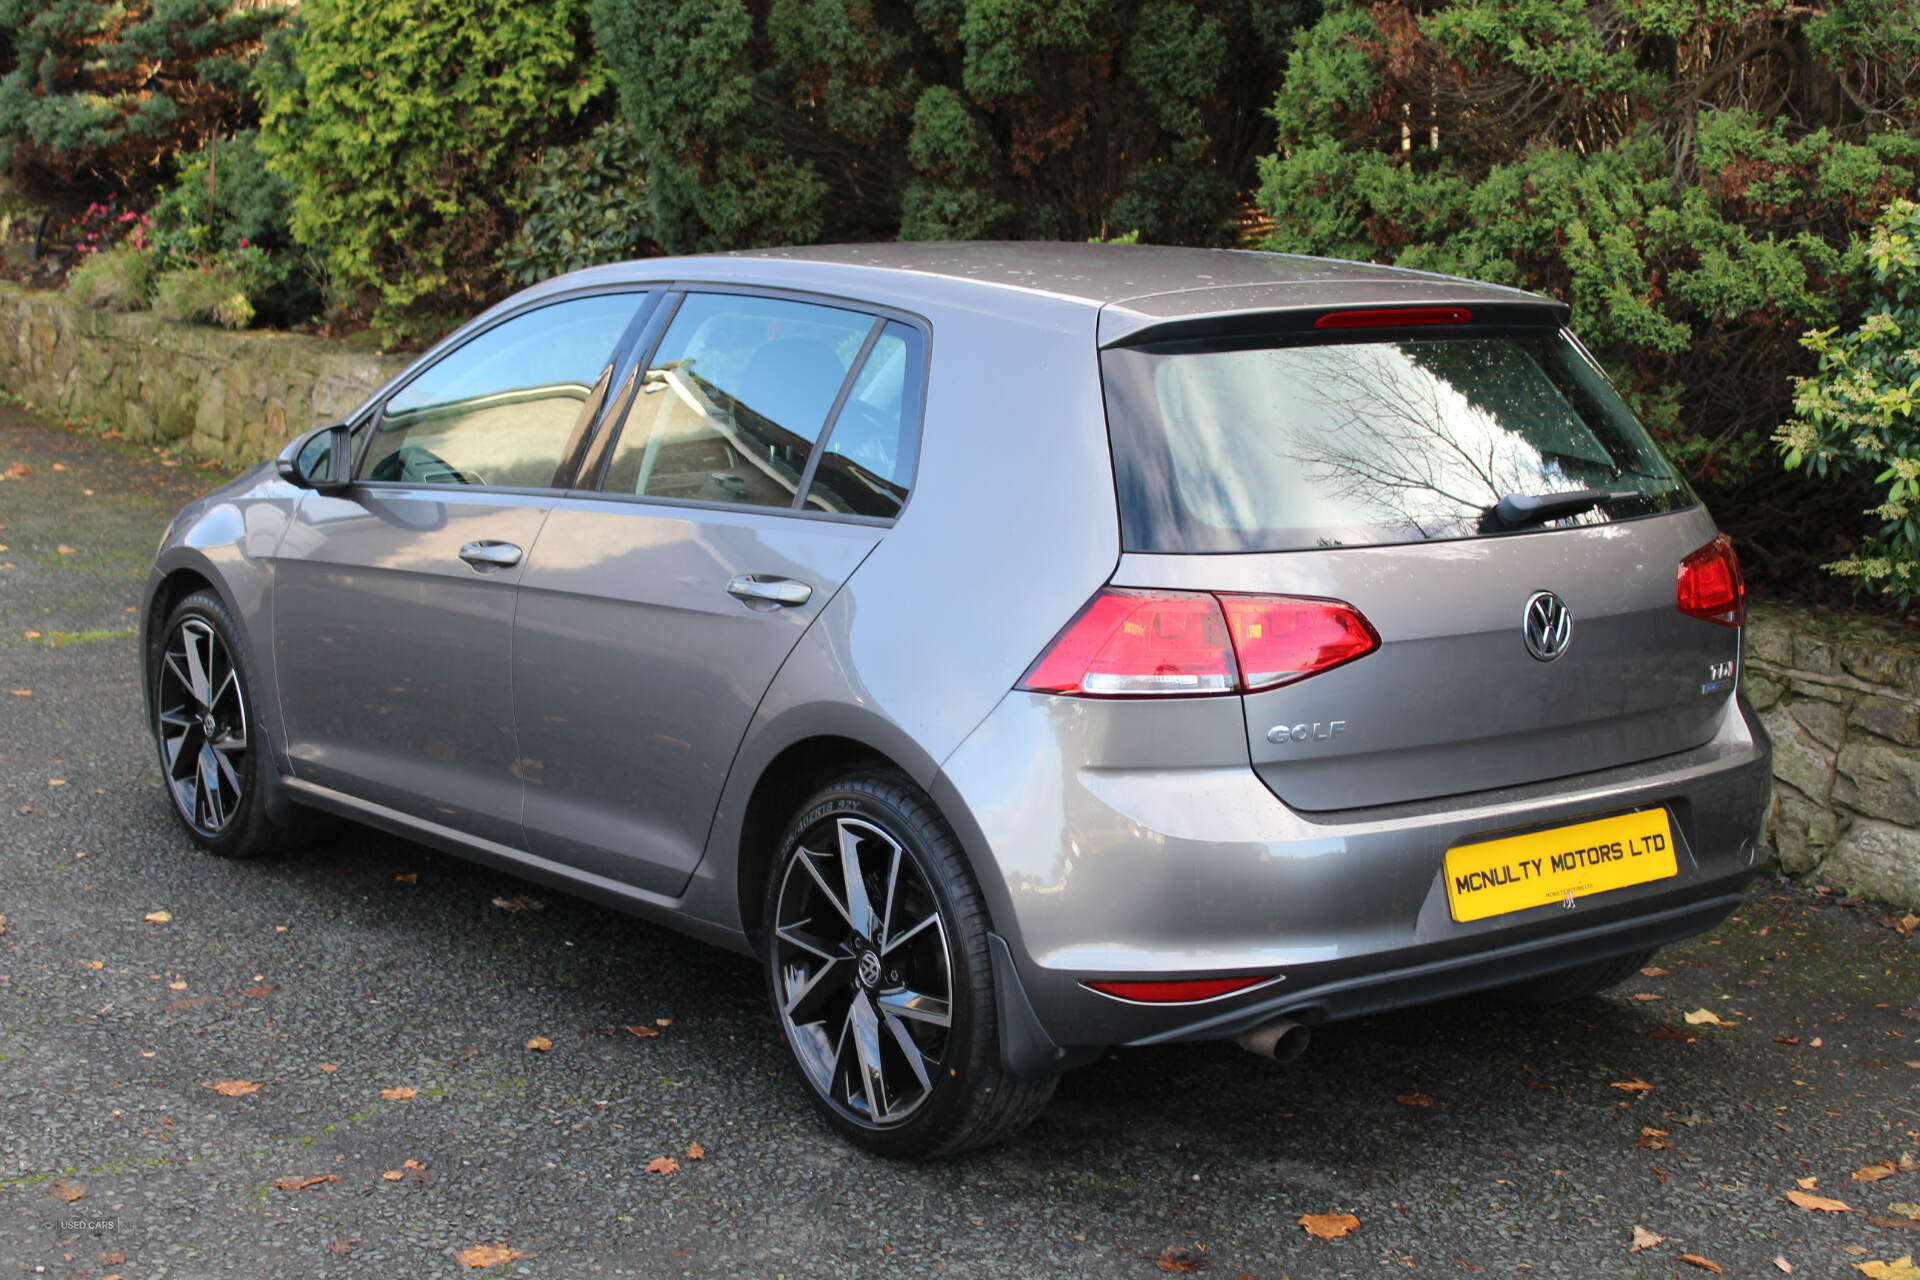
(1521,510)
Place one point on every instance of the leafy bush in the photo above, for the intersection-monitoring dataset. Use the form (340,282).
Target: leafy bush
(402,128)
(100,94)
(117,280)
(244,206)
(584,205)
(1695,179)
(1857,426)
(212,294)
(776,121)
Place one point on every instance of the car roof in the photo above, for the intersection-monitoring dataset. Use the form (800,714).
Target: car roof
(1134,287)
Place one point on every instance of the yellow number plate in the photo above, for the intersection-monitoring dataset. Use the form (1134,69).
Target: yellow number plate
(1498,876)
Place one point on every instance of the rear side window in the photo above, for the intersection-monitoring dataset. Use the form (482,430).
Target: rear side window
(502,408)
(735,399)
(1275,445)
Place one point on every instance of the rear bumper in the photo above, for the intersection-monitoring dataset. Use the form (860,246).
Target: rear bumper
(1113,871)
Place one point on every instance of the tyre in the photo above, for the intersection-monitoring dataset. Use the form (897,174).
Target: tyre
(213,755)
(878,968)
(1582,980)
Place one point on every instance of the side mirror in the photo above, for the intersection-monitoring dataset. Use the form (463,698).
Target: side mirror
(322,459)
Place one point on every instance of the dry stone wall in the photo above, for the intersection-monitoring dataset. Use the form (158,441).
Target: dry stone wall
(1841,697)
(234,397)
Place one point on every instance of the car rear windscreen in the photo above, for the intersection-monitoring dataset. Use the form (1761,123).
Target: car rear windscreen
(1280,443)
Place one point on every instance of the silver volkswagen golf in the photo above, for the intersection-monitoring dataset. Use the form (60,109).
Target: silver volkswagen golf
(1022,649)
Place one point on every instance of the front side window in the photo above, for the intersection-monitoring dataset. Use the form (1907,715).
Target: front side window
(501,409)
(732,403)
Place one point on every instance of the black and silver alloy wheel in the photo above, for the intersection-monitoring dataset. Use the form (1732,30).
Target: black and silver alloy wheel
(201,709)
(879,966)
(863,971)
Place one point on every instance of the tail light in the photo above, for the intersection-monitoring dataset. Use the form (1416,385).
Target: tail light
(1711,587)
(1280,639)
(1131,643)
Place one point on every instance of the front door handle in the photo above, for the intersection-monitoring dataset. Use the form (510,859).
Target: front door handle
(487,555)
(763,592)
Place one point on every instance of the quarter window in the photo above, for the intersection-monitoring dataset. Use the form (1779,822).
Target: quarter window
(502,409)
(869,454)
(734,400)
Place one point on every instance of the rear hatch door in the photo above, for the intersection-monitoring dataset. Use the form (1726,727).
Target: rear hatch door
(1367,463)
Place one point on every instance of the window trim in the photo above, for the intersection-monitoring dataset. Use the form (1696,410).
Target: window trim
(567,471)
(598,457)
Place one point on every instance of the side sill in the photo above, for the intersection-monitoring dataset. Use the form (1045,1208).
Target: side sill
(653,907)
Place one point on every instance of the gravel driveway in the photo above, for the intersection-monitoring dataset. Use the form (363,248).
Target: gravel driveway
(369,1005)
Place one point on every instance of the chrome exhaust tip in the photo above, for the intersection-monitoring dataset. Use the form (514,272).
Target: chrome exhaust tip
(1283,1040)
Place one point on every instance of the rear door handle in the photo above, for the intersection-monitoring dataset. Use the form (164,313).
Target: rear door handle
(487,555)
(761,591)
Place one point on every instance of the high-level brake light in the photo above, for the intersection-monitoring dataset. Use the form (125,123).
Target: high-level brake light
(1129,643)
(1393,317)
(1710,585)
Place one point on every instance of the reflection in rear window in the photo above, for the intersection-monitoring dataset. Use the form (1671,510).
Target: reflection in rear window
(1263,445)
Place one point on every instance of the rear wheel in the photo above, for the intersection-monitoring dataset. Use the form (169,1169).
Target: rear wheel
(213,757)
(878,968)
(1577,983)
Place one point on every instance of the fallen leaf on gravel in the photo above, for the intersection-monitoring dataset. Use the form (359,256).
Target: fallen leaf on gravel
(1875,1172)
(1783,1264)
(1806,1201)
(233,1088)
(519,902)
(94,964)
(1672,1033)
(1653,971)
(1814,1043)
(1653,1140)
(342,1246)
(485,1255)
(56,782)
(1644,996)
(1895,1224)
(1702,1263)
(663,1022)
(301,1184)
(68,1191)
(328,1067)
(3,924)
(176,986)
(21,693)
(642,1032)
(1898,1269)
(411,877)
(157,917)
(1177,1258)
(266,989)
(1644,1239)
(1907,1164)
(663,1165)
(1786,1039)
(1635,1085)
(1414,1100)
(394,1175)
(1329,1226)
(1703,1017)
(399,1093)
(539,1044)
(63,550)
(1906,1210)
(1808,1183)
(696,1152)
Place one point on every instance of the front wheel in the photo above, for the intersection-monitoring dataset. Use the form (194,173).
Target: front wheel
(213,755)
(878,968)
